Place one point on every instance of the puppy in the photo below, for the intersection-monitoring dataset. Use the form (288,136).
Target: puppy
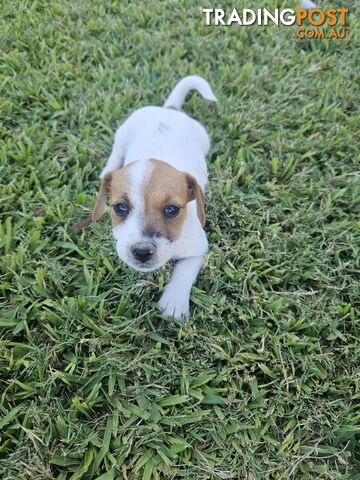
(155,178)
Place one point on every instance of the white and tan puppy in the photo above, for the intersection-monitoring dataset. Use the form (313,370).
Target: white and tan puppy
(155,178)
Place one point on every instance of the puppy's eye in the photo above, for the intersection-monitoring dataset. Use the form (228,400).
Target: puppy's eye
(171,211)
(121,209)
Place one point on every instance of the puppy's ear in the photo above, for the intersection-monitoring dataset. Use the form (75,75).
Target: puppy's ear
(195,193)
(104,192)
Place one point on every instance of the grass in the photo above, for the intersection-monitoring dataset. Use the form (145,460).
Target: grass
(263,381)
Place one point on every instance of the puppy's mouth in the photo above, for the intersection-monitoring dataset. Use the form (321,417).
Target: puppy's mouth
(143,256)
(143,266)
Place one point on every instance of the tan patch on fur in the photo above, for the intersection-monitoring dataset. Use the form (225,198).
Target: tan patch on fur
(101,197)
(115,185)
(195,193)
(166,186)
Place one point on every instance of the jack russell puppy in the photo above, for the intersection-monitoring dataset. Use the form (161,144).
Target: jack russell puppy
(155,178)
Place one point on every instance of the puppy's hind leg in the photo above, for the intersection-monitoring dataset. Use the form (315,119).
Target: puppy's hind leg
(174,301)
(116,159)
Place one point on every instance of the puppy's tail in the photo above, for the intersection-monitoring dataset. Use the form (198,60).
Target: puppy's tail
(194,82)
(308,4)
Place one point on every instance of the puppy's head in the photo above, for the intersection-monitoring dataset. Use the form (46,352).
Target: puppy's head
(148,209)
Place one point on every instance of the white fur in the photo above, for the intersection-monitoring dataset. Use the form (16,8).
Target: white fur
(194,82)
(182,142)
(308,4)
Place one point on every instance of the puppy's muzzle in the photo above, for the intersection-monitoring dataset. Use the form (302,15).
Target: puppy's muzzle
(143,251)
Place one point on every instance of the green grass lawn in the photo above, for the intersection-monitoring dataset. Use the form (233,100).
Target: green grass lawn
(262,382)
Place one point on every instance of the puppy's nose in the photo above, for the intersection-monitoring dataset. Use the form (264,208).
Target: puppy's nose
(143,251)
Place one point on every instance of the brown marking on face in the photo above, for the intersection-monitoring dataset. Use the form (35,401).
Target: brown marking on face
(115,185)
(195,193)
(167,186)
(104,192)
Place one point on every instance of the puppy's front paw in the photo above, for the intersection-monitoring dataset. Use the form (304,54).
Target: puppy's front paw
(174,304)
